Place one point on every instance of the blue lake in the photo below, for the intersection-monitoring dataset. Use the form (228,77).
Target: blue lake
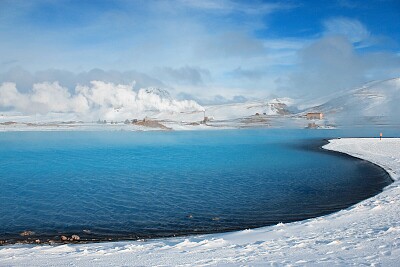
(130,185)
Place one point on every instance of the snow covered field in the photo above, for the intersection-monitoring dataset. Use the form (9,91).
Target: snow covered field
(367,233)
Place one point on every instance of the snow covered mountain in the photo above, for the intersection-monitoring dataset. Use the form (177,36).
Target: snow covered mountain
(375,103)
(277,106)
(162,93)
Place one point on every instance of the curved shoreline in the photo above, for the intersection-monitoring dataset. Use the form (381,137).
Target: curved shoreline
(358,158)
(365,233)
(331,146)
(311,145)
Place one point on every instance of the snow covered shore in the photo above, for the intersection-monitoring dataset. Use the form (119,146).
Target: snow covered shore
(367,233)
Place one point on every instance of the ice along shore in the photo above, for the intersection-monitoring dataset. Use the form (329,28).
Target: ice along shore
(367,233)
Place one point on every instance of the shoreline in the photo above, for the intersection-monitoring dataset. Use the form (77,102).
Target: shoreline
(393,175)
(62,238)
(367,232)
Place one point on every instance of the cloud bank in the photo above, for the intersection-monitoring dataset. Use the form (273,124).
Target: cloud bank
(213,51)
(25,79)
(99,100)
(344,57)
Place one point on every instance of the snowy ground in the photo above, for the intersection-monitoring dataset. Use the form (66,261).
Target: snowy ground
(367,233)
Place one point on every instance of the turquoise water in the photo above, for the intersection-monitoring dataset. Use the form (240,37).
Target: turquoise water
(130,185)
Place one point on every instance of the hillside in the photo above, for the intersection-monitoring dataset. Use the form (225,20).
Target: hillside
(375,103)
(278,106)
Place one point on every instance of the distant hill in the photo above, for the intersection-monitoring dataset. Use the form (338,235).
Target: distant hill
(278,107)
(375,103)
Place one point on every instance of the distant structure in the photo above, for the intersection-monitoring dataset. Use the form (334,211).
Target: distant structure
(312,125)
(315,116)
(205,118)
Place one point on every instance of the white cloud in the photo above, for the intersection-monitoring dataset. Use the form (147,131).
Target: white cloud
(44,98)
(229,6)
(184,75)
(52,97)
(179,44)
(285,44)
(230,45)
(11,98)
(98,100)
(333,64)
(25,79)
(203,48)
(353,29)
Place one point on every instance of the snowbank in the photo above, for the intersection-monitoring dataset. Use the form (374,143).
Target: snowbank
(367,233)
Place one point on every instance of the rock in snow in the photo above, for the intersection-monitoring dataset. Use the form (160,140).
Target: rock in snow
(367,233)
(75,238)
(27,233)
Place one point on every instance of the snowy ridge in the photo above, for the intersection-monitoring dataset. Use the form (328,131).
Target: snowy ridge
(250,108)
(367,233)
(160,92)
(375,103)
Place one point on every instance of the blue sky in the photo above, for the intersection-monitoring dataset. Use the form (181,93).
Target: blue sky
(202,49)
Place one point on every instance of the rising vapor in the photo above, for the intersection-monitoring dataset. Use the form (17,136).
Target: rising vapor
(99,100)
